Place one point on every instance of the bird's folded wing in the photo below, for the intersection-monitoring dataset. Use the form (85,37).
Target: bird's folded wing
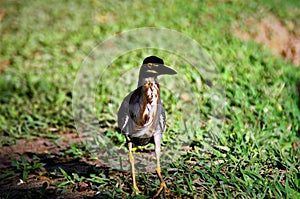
(123,114)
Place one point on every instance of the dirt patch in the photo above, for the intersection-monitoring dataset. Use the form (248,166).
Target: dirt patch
(37,146)
(3,65)
(45,182)
(275,35)
(2,14)
(40,184)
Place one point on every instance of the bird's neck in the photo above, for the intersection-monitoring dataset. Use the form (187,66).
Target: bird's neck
(150,89)
(147,80)
(151,100)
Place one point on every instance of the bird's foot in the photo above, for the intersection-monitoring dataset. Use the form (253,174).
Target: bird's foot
(164,187)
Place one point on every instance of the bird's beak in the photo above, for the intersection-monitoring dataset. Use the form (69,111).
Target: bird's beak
(165,70)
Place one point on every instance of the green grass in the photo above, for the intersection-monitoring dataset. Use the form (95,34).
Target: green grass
(44,45)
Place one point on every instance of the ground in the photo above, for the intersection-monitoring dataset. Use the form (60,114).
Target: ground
(256,48)
(274,35)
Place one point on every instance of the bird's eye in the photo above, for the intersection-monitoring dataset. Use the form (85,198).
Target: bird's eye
(149,65)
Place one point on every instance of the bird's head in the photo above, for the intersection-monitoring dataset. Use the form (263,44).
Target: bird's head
(154,66)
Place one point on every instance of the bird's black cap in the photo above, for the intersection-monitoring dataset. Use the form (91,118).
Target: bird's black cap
(152,67)
(153,59)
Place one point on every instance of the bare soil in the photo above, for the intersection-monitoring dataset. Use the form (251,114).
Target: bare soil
(49,151)
(52,153)
(282,38)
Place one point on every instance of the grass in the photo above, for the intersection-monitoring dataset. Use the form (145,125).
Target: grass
(44,45)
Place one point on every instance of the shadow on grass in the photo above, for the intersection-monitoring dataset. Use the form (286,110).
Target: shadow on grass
(44,176)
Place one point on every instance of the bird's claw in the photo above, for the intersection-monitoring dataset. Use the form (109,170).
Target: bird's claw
(164,187)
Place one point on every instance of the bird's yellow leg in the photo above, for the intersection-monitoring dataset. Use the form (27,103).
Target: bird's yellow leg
(131,160)
(163,186)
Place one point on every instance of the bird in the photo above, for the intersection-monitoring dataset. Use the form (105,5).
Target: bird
(141,116)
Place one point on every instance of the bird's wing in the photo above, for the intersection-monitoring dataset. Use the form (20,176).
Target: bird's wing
(162,117)
(130,111)
(136,105)
(123,114)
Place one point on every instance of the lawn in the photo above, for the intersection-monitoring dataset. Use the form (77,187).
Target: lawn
(233,109)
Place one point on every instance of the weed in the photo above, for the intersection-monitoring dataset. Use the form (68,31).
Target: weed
(27,166)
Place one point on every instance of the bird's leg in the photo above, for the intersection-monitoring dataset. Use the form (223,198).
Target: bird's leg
(157,141)
(131,160)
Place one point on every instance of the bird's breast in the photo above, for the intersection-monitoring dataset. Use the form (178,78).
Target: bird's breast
(147,121)
(150,102)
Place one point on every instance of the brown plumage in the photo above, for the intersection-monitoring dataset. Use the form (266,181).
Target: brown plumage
(141,116)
